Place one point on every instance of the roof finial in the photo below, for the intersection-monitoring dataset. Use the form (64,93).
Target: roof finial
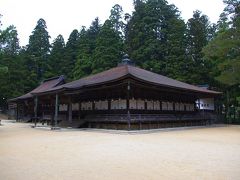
(126,60)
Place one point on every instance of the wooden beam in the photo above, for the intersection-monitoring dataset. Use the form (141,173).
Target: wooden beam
(94,88)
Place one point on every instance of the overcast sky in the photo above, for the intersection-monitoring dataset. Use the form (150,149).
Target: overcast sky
(63,16)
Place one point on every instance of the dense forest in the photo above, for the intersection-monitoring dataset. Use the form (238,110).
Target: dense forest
(155,36)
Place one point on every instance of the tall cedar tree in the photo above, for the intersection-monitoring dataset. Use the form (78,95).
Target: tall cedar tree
(87,45)
(84,63)
(109,46)
(56,59)
(38,50)
(71,54)
(116,19)
(109,43)
(199,32)
(155,37)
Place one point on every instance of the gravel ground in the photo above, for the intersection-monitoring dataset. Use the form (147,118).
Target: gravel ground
(38,154)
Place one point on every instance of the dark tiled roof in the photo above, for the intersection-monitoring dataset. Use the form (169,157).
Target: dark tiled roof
(165,81)
(138,73)
(44,86)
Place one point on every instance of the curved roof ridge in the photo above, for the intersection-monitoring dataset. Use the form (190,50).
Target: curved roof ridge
(53,78)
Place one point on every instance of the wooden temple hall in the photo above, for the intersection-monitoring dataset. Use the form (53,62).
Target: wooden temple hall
(124,97)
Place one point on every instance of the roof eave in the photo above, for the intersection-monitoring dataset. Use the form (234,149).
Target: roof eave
(215,93)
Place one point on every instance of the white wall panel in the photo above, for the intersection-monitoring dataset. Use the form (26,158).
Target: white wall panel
(140,104)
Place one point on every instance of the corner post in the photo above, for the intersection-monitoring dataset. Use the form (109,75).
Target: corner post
(17,112)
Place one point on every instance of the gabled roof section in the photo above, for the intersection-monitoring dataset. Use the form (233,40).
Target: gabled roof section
(120,72)
(100,78)
(48,84)
(44,86)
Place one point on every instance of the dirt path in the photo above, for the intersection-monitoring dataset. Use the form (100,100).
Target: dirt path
(206,153)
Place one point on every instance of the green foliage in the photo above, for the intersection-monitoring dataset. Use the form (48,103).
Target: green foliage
(199,33)
(57,57)
(38,50)
(9,43)
(108,48)
(223,23)
(86,48)
(116,19)
(223,51)
(11,78)
(71,53)
(100,47)
(10,65)
(155,38)
(3,69)
(224,54)
(233,10)
(83,64)
(39,40)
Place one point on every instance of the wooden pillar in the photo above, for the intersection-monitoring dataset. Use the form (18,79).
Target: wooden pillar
(198,104)
(56,111)
(17,111)
(35,110)
(128,112)
(109,105)
(79,110)
(70,110)
(42,116)
(128,95)
(109,99)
